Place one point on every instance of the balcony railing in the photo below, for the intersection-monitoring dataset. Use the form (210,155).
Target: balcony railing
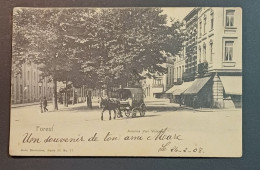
(202,68)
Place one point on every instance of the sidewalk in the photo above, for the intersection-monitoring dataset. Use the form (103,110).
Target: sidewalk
(26,104)
(203,109)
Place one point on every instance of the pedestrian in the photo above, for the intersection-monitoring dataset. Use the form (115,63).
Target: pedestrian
(45,104)
(180,100)
(195,102)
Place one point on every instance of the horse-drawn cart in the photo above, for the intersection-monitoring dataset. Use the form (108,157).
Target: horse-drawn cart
(132,101)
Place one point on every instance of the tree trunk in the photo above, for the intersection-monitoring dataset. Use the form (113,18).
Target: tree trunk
(66,96)
(73,95)
(55,102)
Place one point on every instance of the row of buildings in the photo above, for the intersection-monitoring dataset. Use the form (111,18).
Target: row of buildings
(208,72)
(28,86)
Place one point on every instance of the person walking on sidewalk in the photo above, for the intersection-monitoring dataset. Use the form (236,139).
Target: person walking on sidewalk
(45,104)
(195,102)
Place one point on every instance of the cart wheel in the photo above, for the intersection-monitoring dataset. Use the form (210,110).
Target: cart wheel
(142,109)
(118,113)
(127,113)
(134,111)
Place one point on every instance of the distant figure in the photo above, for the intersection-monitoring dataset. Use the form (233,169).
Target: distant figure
(45,104)
(180,101)
(195,102)
(89,101)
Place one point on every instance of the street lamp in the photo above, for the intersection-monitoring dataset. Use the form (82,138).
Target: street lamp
(40,86)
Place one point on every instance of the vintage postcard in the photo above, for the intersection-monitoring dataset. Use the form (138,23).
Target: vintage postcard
(135,82)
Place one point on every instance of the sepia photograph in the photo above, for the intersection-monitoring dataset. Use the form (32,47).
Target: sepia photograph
(126,82)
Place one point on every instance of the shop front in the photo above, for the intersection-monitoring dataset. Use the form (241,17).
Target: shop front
(199,94)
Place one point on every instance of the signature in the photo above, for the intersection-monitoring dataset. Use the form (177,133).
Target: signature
(164,147)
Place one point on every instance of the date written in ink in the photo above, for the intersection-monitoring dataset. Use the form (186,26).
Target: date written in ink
(187,149)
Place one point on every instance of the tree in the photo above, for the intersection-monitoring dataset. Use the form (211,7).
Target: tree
(128,41)
(95,47)
(44,43)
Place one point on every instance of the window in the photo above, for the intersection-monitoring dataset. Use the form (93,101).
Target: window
(211,51)
(211,20)
(204,52)
(199,54)
(228,51)
(230,18)
(170,76)
(204,26)
(28,75)
(195,32)
(21,93)
(200,27)
(183,53)
(28,89)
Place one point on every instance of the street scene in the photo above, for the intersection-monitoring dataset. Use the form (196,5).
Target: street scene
(211,125)
(157,110)
(172,76)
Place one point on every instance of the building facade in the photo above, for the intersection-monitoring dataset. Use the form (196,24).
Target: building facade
(213,59)
(28,86)
(179,66)
(220,46)
(155,87)
(191,25)
(219,60)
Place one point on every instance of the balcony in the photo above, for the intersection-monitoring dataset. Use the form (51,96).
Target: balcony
(188,76)
(203,68)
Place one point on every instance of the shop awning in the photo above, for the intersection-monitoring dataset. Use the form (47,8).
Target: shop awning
(232,84)
(197,85)
(182,88)
(171,90)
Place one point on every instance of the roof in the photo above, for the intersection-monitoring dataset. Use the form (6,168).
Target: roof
(197,85)
(189,15)
(182,88)
(133,90)
(172,89)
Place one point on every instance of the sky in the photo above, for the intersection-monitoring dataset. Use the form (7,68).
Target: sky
(177,13)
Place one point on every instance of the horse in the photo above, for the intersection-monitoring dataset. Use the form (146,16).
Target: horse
(110,104)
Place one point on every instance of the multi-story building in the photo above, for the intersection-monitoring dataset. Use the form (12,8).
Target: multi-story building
(179,66)
(191,25)
(28,86)
(219,59)
(155,87)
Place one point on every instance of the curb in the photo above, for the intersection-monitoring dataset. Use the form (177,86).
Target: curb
(25,104)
